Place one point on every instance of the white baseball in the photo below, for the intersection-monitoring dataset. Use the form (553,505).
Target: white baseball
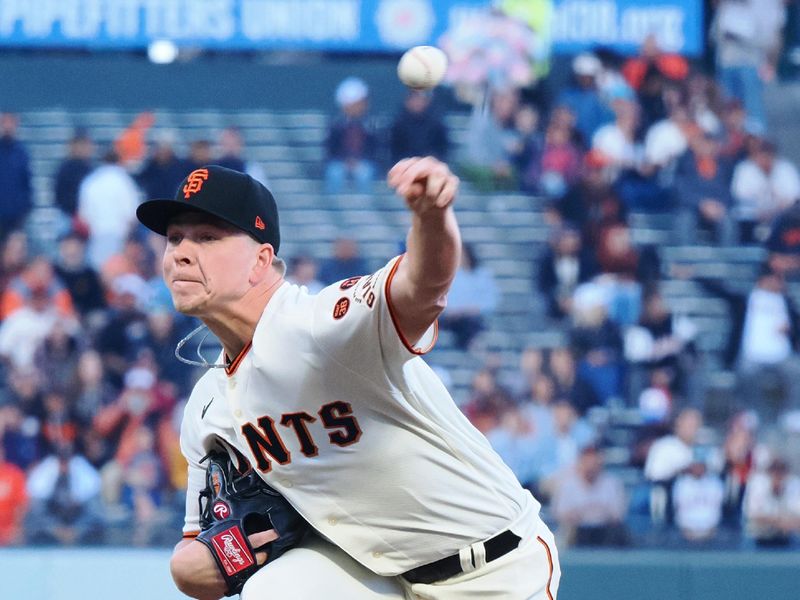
(422,67)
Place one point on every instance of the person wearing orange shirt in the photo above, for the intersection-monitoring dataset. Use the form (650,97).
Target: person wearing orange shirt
(13,500)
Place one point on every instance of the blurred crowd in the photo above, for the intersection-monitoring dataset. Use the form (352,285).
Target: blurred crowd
(91,395)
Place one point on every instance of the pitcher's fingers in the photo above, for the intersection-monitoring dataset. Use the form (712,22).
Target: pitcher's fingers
(422,168)
(435,184)
(396,172)
(261,538)
(448,193)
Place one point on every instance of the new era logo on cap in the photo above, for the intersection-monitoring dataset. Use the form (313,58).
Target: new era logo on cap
(224,193)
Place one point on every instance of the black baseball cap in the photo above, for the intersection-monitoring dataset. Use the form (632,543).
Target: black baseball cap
(234,197)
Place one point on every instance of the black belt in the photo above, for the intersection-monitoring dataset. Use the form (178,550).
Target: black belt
(450,566)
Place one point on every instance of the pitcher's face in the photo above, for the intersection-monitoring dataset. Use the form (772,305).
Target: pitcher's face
(206,263)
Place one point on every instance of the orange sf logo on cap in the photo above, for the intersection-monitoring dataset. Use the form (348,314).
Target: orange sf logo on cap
(259,223)
(194,182)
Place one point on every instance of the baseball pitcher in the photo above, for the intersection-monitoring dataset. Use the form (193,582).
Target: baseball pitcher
(326,459)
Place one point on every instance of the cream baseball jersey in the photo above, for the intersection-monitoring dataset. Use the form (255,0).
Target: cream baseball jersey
(341,415)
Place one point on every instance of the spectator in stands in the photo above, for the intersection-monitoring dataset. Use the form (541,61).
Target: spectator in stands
(133,258)
(537,407)
(515,440)
(668,139)
(590,504)
(163,170)
(734,133)
(164,331)
(648,73)
(563,266)
(417,129)
(16,199)
(697,498)
(131,146)
(472,298)
(568,384)
(704,99)
(763,186)
(702,190)
(558,451)
(58,422)
(783,243)
(738,449)
(124,332)
(200,155)
(93,391)
(37,277)
(491,137)
(747,35)
(617,140)
(13,257)
(13,499)
(64,491)
(143,403)
(531,367)
(58,356)
(24,330)
(667,458)
(303,271)
(627,272)
(80,279)
(142,489)
(591,204)
(525,151)
(231,146)
(107,204)
(560,163)
(772,506)
(596,343)
(231,154)
(487,402)
(659,342)
(352,143)
(584,99)
(346,261)
(78,163)
(655,399)
(763,341)
(20,434)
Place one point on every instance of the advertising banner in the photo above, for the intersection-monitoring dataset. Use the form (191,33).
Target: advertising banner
(331,25)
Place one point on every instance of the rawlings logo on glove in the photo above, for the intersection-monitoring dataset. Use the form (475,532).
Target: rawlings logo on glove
(232,549)
(234,505)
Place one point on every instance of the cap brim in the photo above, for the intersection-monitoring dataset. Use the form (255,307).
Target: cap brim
(157,214)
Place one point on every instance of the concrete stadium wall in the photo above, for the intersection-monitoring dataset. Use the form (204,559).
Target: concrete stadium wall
(32,81)
(90,574)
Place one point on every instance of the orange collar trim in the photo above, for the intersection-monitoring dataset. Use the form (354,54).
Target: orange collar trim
(231,368)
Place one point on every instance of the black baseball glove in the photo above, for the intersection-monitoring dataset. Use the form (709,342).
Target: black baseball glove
(234,505)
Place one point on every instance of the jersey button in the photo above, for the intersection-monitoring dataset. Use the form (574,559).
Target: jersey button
(237,413)
(332,521)
(287,483)
(232,383)
(377,554)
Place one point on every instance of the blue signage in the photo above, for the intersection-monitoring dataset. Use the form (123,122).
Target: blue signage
(344,25)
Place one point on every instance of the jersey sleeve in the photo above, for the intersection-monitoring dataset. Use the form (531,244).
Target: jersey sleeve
(355,318)
(192,449)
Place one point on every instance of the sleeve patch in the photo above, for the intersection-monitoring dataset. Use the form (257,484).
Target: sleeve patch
(348,283)
(341,307)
